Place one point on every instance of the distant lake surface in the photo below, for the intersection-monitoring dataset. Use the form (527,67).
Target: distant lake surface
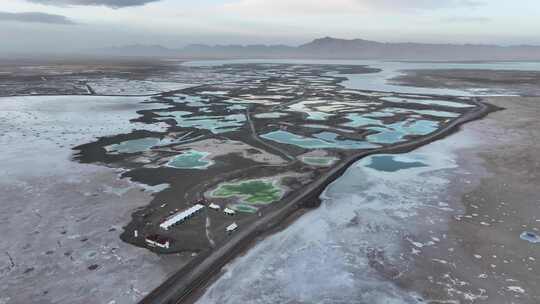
(391,69)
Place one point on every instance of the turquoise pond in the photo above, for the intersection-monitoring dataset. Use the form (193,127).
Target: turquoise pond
(359,120)
(190,159)
(444,114)
(431,102)
(369,119)
(215,124)
(396,132)
(389,163)
(134,145)
(319,141)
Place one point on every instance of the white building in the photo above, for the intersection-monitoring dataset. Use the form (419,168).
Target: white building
(157,241)
(232,227)
(180,217)
(229,211)
(214,206)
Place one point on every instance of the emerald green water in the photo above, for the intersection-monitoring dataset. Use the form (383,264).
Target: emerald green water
(252,192)
(191,159)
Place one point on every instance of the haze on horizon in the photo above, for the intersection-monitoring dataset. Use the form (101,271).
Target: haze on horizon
(71,25)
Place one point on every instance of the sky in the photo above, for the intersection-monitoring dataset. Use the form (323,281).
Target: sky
(70,25)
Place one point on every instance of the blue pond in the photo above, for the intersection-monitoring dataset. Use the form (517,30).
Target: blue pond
(530,237)
(396,132)
(359,120)
(388,163)
(320,141)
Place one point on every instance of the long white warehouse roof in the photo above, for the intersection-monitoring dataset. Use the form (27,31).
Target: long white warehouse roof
(180,216)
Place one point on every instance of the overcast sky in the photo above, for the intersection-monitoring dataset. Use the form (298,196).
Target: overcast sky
(85,24)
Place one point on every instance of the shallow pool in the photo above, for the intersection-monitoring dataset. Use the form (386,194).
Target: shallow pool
(359,120)
(320,141)
(396,132)
(190,159)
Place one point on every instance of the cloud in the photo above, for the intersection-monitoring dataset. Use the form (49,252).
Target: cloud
(109,3)
(420,4)
(35,17)
(324,7)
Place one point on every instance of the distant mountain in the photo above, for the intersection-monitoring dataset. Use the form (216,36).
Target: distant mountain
(364,49)
(333,48)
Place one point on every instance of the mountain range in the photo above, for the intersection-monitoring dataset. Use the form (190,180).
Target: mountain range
(334,48)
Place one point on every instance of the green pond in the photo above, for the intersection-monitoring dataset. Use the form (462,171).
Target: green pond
(252,192)
(190,159)
(388,163)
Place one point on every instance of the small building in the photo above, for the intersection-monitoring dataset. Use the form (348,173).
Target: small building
(229,211)
(156,240)
(232,227)
(180,217)
(214,206)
